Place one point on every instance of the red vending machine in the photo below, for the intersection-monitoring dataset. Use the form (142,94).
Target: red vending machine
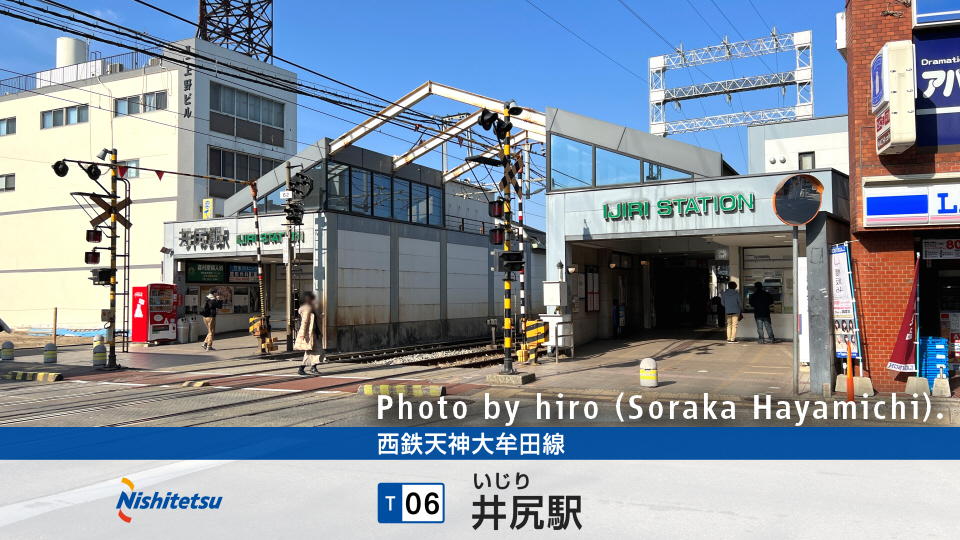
(154,313)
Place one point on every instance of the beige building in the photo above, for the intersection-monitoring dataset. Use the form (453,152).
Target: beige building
(158,115)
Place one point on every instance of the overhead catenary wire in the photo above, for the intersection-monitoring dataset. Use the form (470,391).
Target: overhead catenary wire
(284,86)
(258,77)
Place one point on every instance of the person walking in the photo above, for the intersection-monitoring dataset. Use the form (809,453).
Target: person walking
(211,305)
(733,308)
(308,338)
(761,301)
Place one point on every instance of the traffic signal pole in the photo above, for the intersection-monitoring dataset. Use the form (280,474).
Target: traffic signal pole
(112,330)
(508,233)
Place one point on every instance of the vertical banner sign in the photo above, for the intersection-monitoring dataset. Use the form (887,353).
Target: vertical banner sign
(938,88)
(843,322)
(904,357)
(208,209)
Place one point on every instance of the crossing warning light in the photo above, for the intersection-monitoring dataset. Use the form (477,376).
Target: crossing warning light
(91,257)
(94,236)
(496,236)
(496,208)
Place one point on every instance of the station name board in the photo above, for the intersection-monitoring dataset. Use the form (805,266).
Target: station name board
(267,238)
(683,206)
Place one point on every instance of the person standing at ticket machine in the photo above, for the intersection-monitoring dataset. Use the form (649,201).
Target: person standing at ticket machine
(211,305)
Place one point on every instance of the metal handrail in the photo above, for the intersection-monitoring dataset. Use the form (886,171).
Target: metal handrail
(76,72)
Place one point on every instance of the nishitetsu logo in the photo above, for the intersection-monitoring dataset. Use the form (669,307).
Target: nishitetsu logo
(136,500)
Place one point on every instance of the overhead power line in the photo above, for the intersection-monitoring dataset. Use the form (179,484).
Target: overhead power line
(605,55)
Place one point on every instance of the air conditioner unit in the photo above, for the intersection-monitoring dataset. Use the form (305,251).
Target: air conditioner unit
(154,62)
(114,68)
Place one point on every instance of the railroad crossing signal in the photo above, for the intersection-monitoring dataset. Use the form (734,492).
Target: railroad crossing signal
(105,215)
(512,261)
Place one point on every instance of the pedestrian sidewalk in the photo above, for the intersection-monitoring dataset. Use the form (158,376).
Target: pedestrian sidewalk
(688,366)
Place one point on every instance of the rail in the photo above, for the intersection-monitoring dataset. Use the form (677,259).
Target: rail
(468,225)
(78,72)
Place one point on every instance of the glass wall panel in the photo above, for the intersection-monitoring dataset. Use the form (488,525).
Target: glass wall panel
(381,196)
(312,201)
(418,203)
(337,195)
(401,199)
(436,206)
(655,173)
(613,168)
(274,203)
(571,163)
(360,191)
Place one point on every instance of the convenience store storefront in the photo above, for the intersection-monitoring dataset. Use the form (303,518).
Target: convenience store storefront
(221,254)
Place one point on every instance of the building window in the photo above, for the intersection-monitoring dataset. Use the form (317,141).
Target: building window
(807,161)
(134,170)
(8,182)
(359,190)
(657,172)
(66,116)
(236,166)
(571,163)
(401,199)
(226,100)
(132,105)
(381,196)
(337,196)
(435,206)
(418,203)
(8,126)
(613,168)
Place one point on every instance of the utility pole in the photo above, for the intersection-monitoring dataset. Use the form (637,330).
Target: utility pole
(112,330)
(289,276)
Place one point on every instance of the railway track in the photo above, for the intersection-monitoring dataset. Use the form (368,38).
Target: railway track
(117,398)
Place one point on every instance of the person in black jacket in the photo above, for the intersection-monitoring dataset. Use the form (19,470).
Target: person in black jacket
(211,305)
(761,301)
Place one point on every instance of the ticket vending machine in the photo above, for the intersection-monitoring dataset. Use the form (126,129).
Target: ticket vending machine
(154,313)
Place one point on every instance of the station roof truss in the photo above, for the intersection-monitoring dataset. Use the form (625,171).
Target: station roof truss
(801,78)
(530,126)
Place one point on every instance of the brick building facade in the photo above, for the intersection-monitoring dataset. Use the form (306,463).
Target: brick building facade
(884,258)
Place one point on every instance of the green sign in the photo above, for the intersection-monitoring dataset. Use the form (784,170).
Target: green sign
(201,272)
(275,237)
(684,206)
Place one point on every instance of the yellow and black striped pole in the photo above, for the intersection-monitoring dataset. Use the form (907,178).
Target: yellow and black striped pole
(112,329)
(507,233)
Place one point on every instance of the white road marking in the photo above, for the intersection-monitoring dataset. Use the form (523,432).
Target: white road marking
(124,384)
(336,377)
(270,390)
(20,511)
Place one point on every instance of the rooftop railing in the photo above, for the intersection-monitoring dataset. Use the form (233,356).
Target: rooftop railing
(77,72)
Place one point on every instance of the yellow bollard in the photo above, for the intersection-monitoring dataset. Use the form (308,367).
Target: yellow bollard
(648,373)
(50,354)
(6,352)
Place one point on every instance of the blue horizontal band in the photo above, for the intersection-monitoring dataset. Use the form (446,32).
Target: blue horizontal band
(896,205)
(579,443)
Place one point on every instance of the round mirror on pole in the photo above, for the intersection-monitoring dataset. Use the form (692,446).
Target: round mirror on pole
(797,199)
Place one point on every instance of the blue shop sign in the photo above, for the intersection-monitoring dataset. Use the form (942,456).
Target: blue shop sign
(938,87)
(876,81)
(930,12)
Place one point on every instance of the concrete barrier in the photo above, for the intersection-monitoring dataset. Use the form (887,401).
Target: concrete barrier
(49,353)
(415,390)
(648,373)
(6,351)
(99,355)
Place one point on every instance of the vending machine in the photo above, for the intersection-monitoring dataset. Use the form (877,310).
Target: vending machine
(154,313)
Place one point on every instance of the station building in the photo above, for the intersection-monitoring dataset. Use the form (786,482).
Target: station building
(158,115)
(646,230)
(397,257)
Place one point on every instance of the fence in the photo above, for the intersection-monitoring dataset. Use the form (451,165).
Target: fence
(468,225)
(77,72)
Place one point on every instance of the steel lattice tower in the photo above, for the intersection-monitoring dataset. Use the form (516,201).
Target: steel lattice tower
(242,26)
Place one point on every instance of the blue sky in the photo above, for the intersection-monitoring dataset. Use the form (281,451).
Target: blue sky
(390,47)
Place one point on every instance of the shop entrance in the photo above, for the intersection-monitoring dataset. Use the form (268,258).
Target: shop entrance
(681,289)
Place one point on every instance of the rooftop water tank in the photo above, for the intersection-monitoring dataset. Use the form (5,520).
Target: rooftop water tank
(71,51)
